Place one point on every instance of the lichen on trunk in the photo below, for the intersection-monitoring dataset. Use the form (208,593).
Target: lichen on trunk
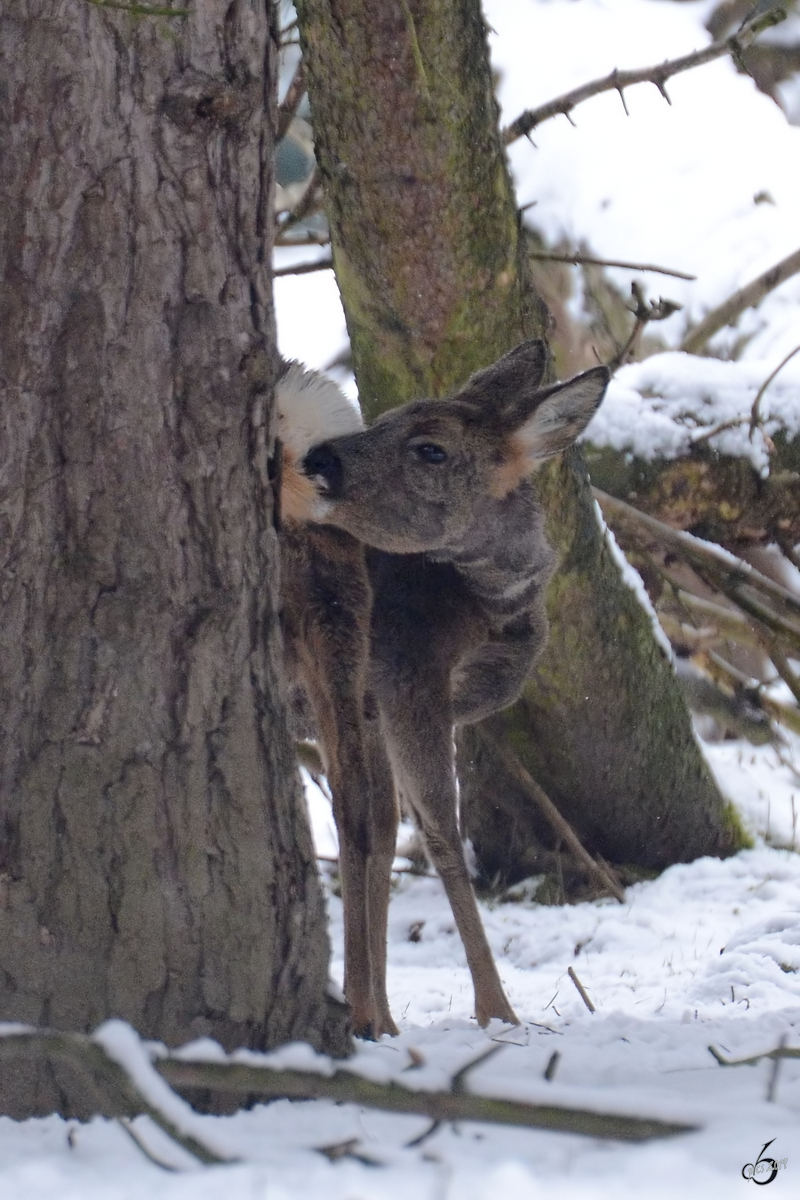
(423,221)
(155,860)
(426,248)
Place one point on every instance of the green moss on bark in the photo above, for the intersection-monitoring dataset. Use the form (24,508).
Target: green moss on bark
(427,254)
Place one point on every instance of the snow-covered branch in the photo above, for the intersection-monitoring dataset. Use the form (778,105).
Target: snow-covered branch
(119,1092)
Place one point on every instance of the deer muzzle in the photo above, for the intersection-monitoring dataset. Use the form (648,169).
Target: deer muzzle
(324,467)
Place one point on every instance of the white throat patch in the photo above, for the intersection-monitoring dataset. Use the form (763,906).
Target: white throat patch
(311,409)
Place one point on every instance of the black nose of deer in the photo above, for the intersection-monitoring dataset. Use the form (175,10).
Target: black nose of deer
(323,465)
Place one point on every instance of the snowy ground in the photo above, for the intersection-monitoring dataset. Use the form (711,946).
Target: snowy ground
(707,954)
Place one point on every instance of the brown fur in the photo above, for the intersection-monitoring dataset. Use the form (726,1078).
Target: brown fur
(299,497)
(514,467)
(418,606)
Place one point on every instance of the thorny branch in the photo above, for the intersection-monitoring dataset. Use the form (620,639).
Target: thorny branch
(658,75)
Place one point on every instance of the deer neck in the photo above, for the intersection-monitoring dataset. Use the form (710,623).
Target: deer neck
(504,558)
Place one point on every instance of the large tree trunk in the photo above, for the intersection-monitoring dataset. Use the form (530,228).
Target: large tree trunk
(426,250)
(155,860)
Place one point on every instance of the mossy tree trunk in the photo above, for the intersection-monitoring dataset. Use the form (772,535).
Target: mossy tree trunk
(426,249)
(155,860)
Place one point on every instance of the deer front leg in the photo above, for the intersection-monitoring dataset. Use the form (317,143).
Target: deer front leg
(337,710)
(385,816)
(420,742)
(330,642)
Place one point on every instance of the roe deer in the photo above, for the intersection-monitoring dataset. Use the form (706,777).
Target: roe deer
(415,564)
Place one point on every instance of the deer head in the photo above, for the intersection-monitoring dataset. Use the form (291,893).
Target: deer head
(423,475)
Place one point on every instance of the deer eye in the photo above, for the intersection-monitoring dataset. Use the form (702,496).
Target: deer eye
(429,452)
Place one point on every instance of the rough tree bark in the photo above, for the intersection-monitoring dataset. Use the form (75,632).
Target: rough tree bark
(155,860)
(426,250)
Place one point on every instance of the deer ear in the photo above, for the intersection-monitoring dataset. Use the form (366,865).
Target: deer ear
(561,414)
(518,373)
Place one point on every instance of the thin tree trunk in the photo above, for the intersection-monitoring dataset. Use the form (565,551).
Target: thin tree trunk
(426,251)
(155,860)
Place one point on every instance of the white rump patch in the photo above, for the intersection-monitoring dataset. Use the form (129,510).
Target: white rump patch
(311,409)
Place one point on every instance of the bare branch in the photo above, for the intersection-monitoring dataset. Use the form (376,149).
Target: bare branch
(308,202)
(780,1051)
(115,1088)
(308,239)
(749,296)
(731,575)
(784,669)
(288,29)
(287,110)
(644,311)
(617,81)
(785,714)
(585,260)
(347,1087)
(755,413)
(323,264)
(547,808)
(142,10)
(731,624)
(740,713)
(118,1093)
(127,1125)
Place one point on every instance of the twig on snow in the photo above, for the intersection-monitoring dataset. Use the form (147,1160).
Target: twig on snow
(772,1086)
(780,1051)
(552,1065)
(658,75)
(459,1080)
(581,990)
